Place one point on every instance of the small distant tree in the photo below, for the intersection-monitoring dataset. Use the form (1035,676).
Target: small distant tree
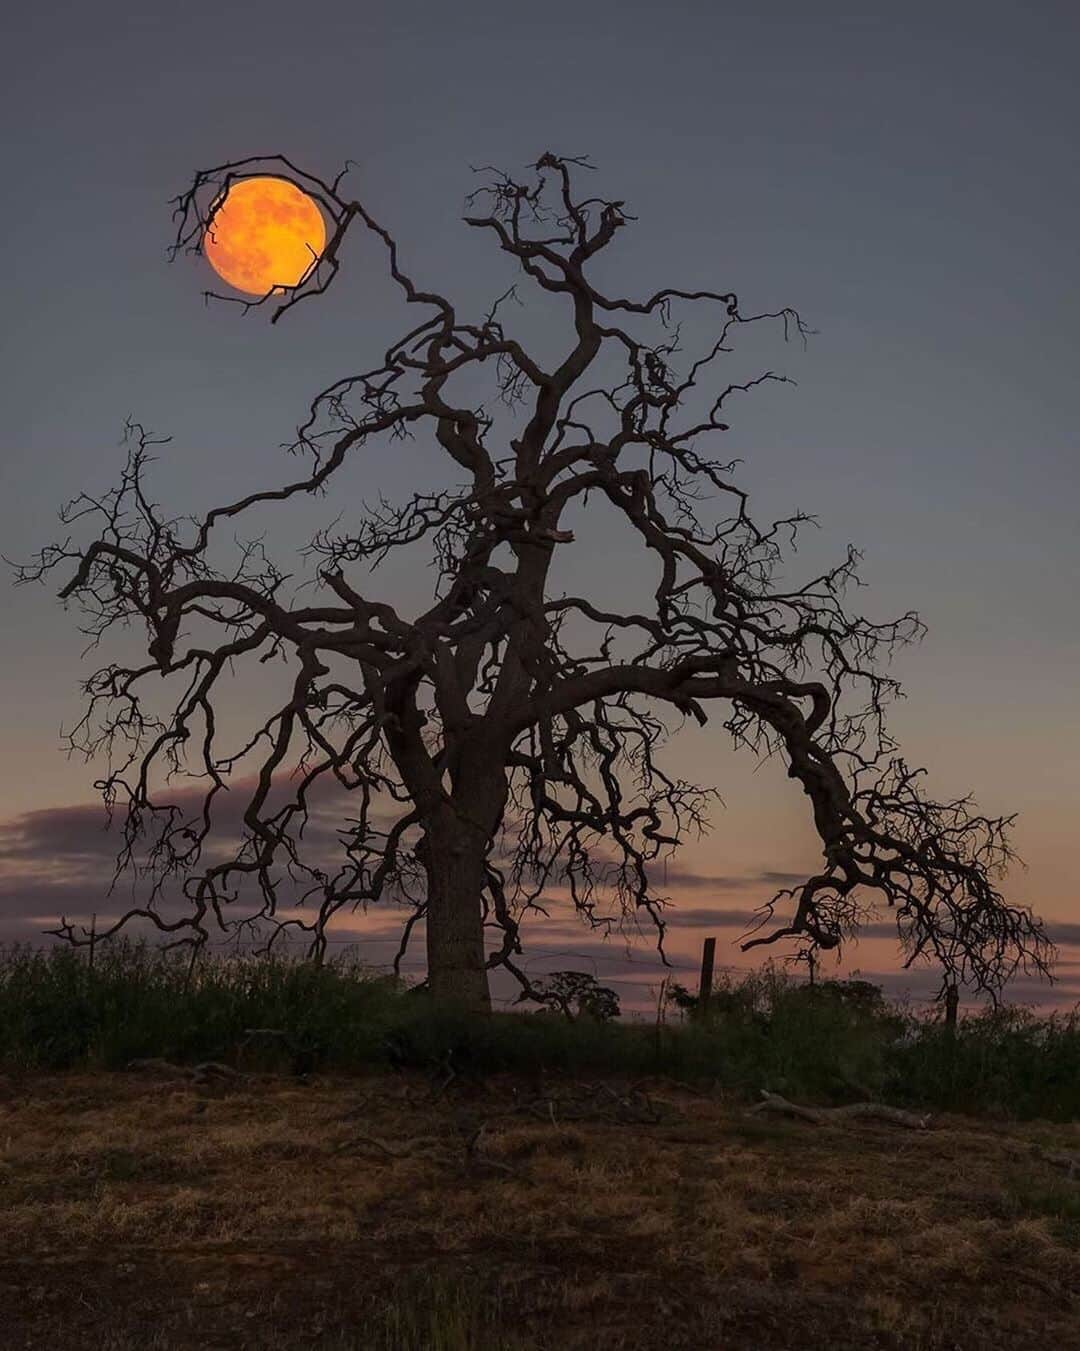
(515,733)
(578,994)
(681,998)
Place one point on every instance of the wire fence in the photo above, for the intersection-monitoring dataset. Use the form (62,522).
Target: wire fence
(639,979)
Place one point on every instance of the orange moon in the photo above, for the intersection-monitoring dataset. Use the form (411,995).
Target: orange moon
(267,234)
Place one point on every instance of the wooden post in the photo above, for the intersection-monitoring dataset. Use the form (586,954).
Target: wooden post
(93,938)
(661,999)
(952,1003)
(708,956)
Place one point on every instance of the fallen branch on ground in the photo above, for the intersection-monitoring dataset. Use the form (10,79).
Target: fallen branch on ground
(1057,1158)
(358,1141)
(1061,1158)
(202,1073)
(474,1159)
(680,1084)
(598,1102)
(820,1116)
(432,1148)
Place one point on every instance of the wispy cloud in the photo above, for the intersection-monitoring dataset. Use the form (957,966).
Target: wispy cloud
(84,832)
(52,834)
(686,879)
(704,916)
(60,861)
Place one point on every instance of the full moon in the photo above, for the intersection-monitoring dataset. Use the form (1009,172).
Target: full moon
(267,234)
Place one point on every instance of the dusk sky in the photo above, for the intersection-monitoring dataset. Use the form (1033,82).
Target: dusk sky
(905,176)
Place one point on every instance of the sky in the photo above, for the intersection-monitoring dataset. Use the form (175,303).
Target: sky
(905,176)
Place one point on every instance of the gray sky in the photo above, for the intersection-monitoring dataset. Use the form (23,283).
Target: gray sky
(906,176)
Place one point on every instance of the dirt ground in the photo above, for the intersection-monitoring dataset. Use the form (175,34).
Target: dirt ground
(143,1210)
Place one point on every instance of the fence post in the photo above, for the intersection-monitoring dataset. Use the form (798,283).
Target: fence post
(661,999)
(952,1003)
(708,957)
(93,938)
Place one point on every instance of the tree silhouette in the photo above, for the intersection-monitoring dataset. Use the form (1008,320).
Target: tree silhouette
(512,735)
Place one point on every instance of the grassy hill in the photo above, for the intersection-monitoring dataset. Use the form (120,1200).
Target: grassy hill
(367,1174)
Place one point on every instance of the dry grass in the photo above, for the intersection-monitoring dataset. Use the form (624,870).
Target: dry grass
(350,1213)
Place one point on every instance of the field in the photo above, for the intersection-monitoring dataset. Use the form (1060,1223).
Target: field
(367,1173)
(150,1210)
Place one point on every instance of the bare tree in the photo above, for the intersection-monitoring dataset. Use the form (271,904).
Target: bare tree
(512,734)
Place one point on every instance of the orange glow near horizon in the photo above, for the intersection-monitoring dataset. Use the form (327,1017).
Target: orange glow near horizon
(265,236)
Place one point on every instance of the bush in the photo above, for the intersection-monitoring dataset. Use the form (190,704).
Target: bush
(836,1041)
(1006,1061)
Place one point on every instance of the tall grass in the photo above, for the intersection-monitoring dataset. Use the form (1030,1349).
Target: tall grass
(836,1042)
(58,1011)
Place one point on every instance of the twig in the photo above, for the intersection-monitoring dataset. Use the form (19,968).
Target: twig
(680,1084)
(475,1159)
(356,1140)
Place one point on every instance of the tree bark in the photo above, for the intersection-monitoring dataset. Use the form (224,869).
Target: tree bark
(454,861)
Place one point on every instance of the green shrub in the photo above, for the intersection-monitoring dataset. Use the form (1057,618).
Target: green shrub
(836,1041)
(1004,1061)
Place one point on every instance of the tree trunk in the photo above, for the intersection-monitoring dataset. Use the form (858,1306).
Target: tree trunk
(454,861)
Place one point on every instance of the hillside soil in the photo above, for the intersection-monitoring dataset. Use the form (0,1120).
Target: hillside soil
(143,1209)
